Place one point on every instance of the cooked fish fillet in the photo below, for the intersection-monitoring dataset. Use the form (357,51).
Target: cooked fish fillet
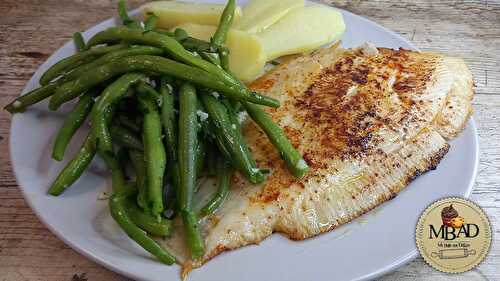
(367,121)
(458,107)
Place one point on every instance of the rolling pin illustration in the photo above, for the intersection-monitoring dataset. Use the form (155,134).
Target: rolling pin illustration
(453,253)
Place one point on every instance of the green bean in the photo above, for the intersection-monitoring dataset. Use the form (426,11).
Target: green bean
(132,51)
(224,172)
(211,57)
(189,43)
(117,175)
(293,159)
(146,89)
(21,103)
(175,175)
(79,41)
(137,158)
(193,234)
(220,141)
(123,212)
(111,95)
(170,128)
(74,168)
(169,122)
(117,34)
(150,22)
(230,138)
(201,148)
(224,58)
(37,95)
(204,129)
(72,89)
(120,213)
(154,153)
(180,34)
(188,130)
(168,118)
(196,45)
(200,153)
(75,60)
(188,141)
(72,122)
(126,20)
(125,137)
(147,222)
(128,123)
(225,22)
(169,44)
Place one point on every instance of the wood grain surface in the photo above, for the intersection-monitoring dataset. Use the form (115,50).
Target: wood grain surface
(31,30)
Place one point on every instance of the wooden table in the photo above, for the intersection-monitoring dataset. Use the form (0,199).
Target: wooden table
(30,30)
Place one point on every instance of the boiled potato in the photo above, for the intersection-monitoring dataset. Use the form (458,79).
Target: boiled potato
(246,58)
(260,14)
(302,30)
(173,13)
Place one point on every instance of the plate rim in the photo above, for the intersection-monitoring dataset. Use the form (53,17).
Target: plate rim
(119,269)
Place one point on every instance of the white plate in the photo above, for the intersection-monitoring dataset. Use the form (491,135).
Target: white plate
(368,247)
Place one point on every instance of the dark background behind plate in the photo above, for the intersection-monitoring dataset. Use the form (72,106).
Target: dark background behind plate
(32,30)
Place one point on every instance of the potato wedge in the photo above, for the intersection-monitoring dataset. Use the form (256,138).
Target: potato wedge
(260,14)
(246,58)
(173,13)
(302,30)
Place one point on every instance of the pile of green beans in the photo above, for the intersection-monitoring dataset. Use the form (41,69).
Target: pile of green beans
(164,104)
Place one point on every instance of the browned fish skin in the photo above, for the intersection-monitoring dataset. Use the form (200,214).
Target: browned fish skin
(345,134)
(343,121)
(367,124)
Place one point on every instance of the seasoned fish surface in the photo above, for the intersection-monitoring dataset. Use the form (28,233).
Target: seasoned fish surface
(367,123)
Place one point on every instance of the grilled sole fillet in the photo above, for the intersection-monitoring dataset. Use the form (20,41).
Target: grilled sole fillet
(367,122)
